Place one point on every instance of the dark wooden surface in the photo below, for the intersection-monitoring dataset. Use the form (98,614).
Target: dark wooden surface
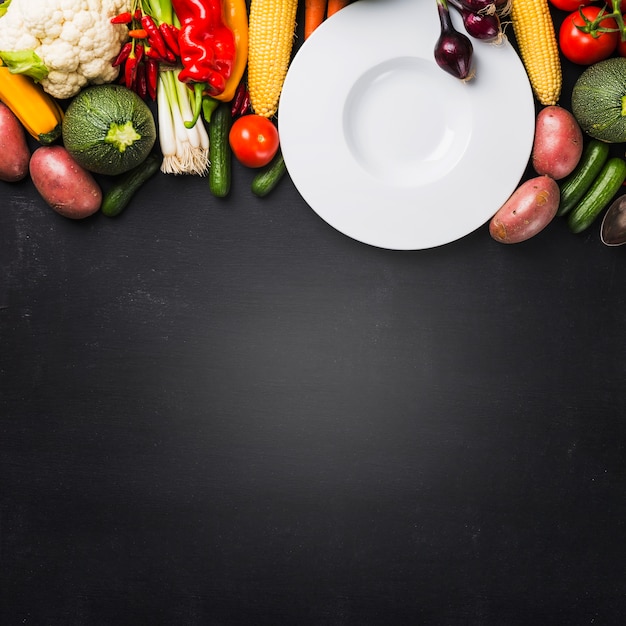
(226,412)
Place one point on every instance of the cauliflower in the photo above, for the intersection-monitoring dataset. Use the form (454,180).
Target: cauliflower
(63,44)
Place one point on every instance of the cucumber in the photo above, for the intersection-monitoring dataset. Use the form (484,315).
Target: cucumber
(118,196)
(269,176)
(574,187)
(601,192)
(220,153)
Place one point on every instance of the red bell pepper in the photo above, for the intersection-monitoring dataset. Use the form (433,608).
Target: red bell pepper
(207,48)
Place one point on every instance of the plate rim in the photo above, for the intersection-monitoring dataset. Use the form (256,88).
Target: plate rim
(322,119)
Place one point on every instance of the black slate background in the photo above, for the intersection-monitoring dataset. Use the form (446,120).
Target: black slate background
(225,412)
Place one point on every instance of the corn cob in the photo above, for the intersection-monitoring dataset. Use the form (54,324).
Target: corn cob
(39,113)
(272,25)
(536,39)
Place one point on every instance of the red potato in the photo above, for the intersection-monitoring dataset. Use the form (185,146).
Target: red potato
(66,187)
(558,143)
(14,151)
(531,207)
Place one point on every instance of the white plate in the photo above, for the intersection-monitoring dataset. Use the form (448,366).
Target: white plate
(387,147)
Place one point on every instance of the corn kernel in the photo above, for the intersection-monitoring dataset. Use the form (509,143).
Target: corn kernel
(536,39)
(272,25)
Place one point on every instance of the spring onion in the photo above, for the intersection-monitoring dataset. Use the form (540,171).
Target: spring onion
(185,150)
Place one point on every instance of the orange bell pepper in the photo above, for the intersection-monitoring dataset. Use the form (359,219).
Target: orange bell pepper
(235,16)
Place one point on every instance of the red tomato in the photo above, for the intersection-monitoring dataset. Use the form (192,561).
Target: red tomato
(253,140)
(587,48)
(573,5)
(570,5)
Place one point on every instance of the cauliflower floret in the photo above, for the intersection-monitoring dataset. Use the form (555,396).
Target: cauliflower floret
(93,72)
(83,21)
(66,85)
(71,33)
(60,55)
(22,41)
(74,39)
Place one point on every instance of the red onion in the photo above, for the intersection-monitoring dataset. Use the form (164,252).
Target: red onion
(453,51)
(484,26)
(482,6)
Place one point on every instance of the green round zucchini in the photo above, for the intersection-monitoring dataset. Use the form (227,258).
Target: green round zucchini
(108,129)
(599,100)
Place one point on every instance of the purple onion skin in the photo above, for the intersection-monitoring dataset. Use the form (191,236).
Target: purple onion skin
(486,6)
(453,51)
(482,26)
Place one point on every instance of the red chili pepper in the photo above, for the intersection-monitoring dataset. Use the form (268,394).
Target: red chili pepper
(122,18)
(155,39)
(170,57)
(151,53)
(138,33)
(235,104)
(169,32)
(245,104)
(152,77)
(130,69)
(123,54)
(141,86)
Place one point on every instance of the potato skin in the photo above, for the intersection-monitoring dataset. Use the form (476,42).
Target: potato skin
(558,143)
(14,151)
(530,208)
(66,187)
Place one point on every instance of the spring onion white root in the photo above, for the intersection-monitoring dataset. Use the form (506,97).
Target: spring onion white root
(185,150)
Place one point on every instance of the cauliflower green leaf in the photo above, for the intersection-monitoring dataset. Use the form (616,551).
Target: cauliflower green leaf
(24,62)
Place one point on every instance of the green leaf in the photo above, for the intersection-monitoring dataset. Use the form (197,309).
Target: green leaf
(26,62)
(4,6)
